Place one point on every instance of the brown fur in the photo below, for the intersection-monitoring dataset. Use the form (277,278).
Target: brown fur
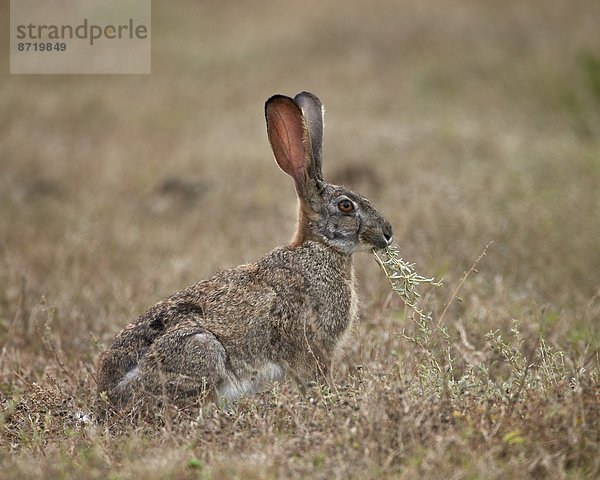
(284,315)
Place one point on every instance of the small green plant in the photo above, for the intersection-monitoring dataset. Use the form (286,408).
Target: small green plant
(194,464)
(404,281)
(403,277)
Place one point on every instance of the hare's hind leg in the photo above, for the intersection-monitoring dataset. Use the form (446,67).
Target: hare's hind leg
(186,362)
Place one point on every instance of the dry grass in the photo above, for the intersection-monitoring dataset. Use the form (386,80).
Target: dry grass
(465,122)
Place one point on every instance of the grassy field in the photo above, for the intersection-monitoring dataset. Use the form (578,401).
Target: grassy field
(465,123)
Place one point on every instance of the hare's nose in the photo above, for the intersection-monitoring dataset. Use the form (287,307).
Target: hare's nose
(387,233)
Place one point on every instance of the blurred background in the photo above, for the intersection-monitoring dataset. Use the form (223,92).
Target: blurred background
(464,122)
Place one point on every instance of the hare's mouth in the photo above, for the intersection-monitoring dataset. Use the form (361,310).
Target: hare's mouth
(376,241)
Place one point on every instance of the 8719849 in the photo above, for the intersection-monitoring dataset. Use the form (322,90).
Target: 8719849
(41,47)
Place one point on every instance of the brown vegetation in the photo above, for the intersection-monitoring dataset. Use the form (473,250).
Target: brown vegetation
(476,121)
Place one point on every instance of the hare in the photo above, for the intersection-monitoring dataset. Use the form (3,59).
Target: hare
(286,314)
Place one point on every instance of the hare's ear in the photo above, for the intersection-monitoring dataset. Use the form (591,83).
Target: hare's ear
(313,111)
(290,140)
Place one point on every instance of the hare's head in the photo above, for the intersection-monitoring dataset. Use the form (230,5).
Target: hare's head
(329,213)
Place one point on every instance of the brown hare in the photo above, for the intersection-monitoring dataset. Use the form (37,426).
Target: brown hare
(284,315)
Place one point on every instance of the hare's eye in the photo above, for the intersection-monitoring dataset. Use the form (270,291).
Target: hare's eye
(346,206)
